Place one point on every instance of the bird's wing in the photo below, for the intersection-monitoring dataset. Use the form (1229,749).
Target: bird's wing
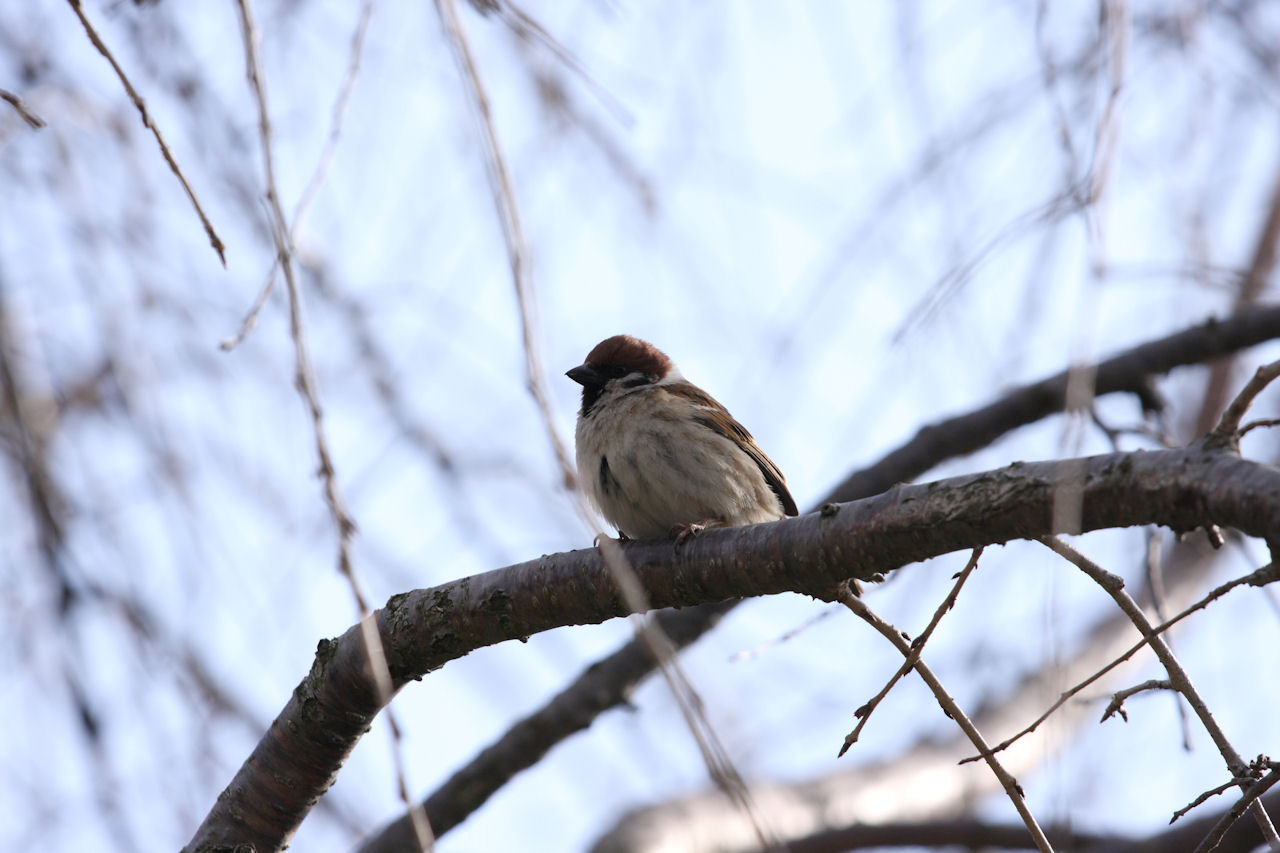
(716,418)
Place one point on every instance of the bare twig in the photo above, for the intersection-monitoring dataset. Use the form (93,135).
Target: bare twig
(951,709)
(1155,583)
(1249,800)
(715,757)
(1181,681)
(1205,796)
(529,30)
(1115,33)
(512,231)
(1116,705)
(318,174)
(529,740)
(917,647)
(251,316)
(149,123)
(1228,428)
(786,637)
(1061,205)
(1268,574)
(34,121)
(1252,425)
(354,56)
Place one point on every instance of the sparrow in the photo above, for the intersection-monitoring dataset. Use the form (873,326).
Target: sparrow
(658,456)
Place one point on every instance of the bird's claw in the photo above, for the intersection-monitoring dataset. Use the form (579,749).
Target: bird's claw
(622,537)
(683,532)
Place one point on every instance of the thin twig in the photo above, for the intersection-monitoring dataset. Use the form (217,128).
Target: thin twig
(1210,794)
(1228,428)
(317,175)
(1268,574)
(34,121)
(512,232)
(251,317)
(1114,586)
(1115,32)
(1116,705)
(1249,800)
(1252,425)
(147,122)
(785,637)
(528,29)
(354,56)
(307,387)
(1155,582)
(952,710)
(917,647)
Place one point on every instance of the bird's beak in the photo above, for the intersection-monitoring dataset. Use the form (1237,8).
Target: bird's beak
(584,375)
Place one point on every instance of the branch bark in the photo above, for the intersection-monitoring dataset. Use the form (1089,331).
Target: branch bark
(299,757)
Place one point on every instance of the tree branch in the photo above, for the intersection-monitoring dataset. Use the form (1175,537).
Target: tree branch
(298,758)
(953,710)
(1131,371)
(1268,574)
(863,713)
(1178,677)
(609,681)
(149,123)
(33,121)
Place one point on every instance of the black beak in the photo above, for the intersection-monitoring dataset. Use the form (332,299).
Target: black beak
(586,376)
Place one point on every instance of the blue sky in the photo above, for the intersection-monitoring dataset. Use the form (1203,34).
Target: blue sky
(771,194)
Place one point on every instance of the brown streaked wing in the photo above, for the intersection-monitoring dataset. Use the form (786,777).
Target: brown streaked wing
(720,421)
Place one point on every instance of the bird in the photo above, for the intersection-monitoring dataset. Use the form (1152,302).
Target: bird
(658,456)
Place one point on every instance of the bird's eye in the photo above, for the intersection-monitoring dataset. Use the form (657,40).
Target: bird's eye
(612,371)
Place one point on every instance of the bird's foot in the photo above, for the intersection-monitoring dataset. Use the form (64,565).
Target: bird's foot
(682,532)
(622,537)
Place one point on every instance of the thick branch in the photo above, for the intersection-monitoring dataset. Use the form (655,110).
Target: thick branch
(300,755)
(1131,371)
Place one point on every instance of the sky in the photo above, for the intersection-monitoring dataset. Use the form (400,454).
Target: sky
(844,220)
